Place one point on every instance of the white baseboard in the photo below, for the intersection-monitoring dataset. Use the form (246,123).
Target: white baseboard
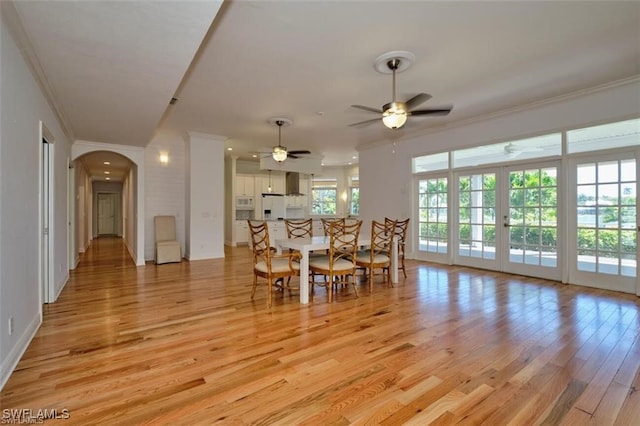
(12,359)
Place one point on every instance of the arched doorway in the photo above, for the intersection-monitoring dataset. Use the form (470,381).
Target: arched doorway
(126,186)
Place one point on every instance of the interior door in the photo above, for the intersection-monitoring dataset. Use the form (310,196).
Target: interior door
(106,214)
(530,243)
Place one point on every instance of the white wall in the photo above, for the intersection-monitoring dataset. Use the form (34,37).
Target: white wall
(205,197)
(164,187)
(23,106)
(385,171)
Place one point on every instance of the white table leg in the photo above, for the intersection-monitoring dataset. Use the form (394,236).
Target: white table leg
(394,261)
(304,277)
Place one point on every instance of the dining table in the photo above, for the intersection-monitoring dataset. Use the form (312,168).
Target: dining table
(309,244)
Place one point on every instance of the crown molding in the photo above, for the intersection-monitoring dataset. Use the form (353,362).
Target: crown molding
(11,17)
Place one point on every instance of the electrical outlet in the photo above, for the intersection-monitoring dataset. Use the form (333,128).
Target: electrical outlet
(10,326)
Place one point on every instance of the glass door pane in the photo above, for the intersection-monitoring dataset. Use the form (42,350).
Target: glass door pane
(606,220)
(433,223)
(532,221)
(476,220)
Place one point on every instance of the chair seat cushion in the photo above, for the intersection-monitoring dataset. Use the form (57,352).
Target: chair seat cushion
(167,243)
(365,256)
(277,266)
(322,262)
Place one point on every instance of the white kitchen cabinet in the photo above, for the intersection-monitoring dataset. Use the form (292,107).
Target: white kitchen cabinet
(277,183)
(317,228)
(242,232)
(277,231)
(245,185)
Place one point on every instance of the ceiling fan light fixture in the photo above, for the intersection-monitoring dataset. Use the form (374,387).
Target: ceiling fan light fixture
(395,116)
(279,153)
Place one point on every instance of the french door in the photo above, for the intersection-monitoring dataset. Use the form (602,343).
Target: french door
(604,224)
(506,219)
(433,218)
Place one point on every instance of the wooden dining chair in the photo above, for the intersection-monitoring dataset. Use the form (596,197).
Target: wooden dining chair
(378,255)
(299,228)
(401,227)
(339,265)
(266,263)
(326,223)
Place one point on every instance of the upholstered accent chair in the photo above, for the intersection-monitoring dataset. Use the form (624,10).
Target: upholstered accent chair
(167,247)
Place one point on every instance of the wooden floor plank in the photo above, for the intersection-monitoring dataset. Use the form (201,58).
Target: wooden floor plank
(184,344)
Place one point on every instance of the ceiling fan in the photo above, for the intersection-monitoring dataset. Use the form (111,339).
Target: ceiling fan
(279,152)
(394,114)
(512,151)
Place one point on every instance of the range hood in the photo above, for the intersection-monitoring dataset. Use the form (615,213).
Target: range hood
(292,181)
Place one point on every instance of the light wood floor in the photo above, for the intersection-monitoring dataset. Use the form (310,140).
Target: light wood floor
(184,344)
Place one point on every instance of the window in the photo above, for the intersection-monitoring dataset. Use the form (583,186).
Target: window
(354,196)
(523,149)
(429,163)
(612,135)
(324,195)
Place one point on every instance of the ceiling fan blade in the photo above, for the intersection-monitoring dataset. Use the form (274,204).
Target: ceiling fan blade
(417,100)
(366,108)
(365,122)
(299,152)
(432,111)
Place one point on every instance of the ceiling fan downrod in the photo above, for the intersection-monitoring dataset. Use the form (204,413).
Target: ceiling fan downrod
(393,65)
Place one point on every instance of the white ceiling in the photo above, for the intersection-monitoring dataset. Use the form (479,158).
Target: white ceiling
(113,66)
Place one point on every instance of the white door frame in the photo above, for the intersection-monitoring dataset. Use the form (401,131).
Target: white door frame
(71,215)
(46,228)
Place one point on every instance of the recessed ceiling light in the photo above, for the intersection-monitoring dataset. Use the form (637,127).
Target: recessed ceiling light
(107,178)
(229,149)
(349,163)
(107,173)
(106,163)
(354,157)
